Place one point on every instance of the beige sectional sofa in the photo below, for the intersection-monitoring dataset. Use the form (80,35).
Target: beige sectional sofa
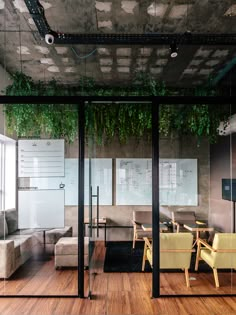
(17,246)
(14,249)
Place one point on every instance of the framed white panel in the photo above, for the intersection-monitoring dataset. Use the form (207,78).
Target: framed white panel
(40,158)
(41,209)
(101,175)
(10,175)
(7,173)
(178,182)
(133,181)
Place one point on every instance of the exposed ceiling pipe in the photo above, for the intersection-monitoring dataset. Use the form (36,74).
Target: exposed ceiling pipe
(224,71)
(51,37)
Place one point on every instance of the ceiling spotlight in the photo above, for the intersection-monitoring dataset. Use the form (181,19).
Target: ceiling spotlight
(173,50)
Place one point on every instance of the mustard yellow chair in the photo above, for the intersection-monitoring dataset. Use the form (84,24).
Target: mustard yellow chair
(221,255)
(141,217)
(175,252)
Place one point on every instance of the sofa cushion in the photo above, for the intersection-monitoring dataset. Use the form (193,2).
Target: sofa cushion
(12,219)
(3,226)
(53,235)
(69,246)
(23,245)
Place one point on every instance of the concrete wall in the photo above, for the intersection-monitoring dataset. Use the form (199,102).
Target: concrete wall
(184,147)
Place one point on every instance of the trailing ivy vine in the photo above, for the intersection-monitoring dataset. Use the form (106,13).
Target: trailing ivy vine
(108,120)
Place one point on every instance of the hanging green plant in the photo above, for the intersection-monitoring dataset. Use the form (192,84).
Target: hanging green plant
(106,121)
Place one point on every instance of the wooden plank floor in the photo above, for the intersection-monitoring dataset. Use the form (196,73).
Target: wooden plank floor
(113,293)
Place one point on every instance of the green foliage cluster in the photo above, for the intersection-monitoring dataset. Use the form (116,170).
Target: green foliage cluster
(107,120)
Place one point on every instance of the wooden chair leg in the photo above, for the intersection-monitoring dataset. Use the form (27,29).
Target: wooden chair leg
(216,277)
(198,256)
(134,242)
(187,277)
(134,238)
(144,256)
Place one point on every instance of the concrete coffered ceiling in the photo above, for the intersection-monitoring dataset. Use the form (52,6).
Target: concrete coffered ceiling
(22,47)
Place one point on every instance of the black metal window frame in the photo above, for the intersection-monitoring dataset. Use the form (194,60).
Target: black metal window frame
(155,101)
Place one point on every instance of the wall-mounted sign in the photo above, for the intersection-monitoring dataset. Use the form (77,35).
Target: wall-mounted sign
(40,158)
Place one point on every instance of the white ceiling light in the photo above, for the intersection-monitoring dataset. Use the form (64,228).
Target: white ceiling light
(173,50)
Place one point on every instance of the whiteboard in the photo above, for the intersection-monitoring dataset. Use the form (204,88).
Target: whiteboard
(40,158)
(41,209)
(177,180)
(101,175)
(133,181)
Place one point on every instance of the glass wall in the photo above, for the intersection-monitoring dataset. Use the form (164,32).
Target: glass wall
(196,197)
(39,201)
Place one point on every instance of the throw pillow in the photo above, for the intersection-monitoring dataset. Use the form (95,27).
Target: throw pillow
(3,226)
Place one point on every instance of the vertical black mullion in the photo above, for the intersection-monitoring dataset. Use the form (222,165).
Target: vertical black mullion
(155,202)
(81,131)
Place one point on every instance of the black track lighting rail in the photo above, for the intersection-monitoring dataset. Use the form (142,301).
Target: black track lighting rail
(37,12)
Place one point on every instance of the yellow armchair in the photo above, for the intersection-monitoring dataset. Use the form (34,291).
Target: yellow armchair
(221,255)
(175,252)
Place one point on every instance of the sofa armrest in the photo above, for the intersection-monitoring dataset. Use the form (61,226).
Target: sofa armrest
(7,260)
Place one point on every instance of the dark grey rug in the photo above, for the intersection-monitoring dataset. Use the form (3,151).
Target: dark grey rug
(120,257)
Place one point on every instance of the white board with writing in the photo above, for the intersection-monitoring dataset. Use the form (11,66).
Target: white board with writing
(101,175)
(178,182)
(133,181)
(40,158)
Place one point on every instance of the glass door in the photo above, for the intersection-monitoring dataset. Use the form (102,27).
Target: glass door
(93,221)
(118,185)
